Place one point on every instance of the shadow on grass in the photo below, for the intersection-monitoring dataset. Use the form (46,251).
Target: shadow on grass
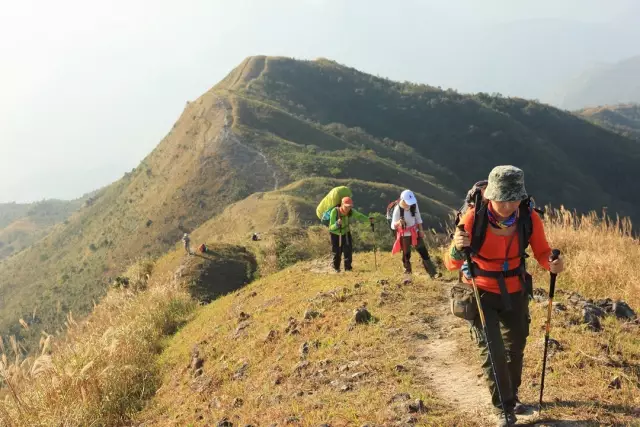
(203,256)
(588,406)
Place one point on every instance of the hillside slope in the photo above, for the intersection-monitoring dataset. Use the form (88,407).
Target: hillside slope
(622,118)
(275,121)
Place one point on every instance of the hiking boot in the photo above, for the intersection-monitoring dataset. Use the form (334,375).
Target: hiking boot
(520,407)
(510,420)
(431,269)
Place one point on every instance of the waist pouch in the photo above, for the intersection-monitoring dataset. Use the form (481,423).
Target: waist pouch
(463,302)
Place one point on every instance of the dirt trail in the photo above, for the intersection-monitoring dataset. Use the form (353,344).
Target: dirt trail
(227,134)
(457,382)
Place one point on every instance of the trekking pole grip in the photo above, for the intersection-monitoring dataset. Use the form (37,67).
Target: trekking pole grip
(555,254)
(467,250)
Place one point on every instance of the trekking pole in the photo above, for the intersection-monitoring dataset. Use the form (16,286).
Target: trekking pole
(375,257)
(467,254)
(552,289)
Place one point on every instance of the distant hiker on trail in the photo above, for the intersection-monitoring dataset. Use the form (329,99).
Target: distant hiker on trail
(187,243)
(497,233)
(341,240)
(255,237)
(407,223)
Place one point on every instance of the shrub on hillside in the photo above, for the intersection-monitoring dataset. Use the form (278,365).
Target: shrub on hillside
(136,276)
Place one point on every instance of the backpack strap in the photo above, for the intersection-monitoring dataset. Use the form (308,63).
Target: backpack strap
(525,227)
(479,228)
(501,276)
(401,212)
(525,230)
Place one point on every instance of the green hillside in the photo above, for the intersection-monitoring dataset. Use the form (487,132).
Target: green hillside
(463,135)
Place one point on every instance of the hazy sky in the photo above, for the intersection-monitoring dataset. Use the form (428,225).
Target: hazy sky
(88,88)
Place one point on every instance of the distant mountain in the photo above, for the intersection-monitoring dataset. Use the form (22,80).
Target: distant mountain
(527,58)
(603,84)
(623,119)
(299,126)
(23,224)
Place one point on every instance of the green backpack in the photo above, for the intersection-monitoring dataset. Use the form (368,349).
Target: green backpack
(330,202)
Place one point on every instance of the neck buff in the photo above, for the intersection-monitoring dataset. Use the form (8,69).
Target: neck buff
(505,223)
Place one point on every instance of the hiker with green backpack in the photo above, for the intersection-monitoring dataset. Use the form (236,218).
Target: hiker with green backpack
(489,246)
(405,220)
(336,210)
(341,239)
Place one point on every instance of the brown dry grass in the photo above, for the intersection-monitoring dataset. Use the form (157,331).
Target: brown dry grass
(103,371)
(601,254)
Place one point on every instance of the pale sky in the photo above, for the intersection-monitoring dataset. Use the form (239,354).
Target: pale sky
(88,88)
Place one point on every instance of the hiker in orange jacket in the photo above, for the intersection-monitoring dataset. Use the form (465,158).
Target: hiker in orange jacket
(502,280)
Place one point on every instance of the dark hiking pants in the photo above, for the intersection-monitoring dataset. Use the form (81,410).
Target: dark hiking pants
(422,250)
(508,332)
(341,245)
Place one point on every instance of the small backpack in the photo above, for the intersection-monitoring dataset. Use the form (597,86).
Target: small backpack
(326,216)
(390,207)
(473,196)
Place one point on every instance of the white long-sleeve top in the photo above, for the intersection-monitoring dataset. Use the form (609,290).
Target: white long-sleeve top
(409,219)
